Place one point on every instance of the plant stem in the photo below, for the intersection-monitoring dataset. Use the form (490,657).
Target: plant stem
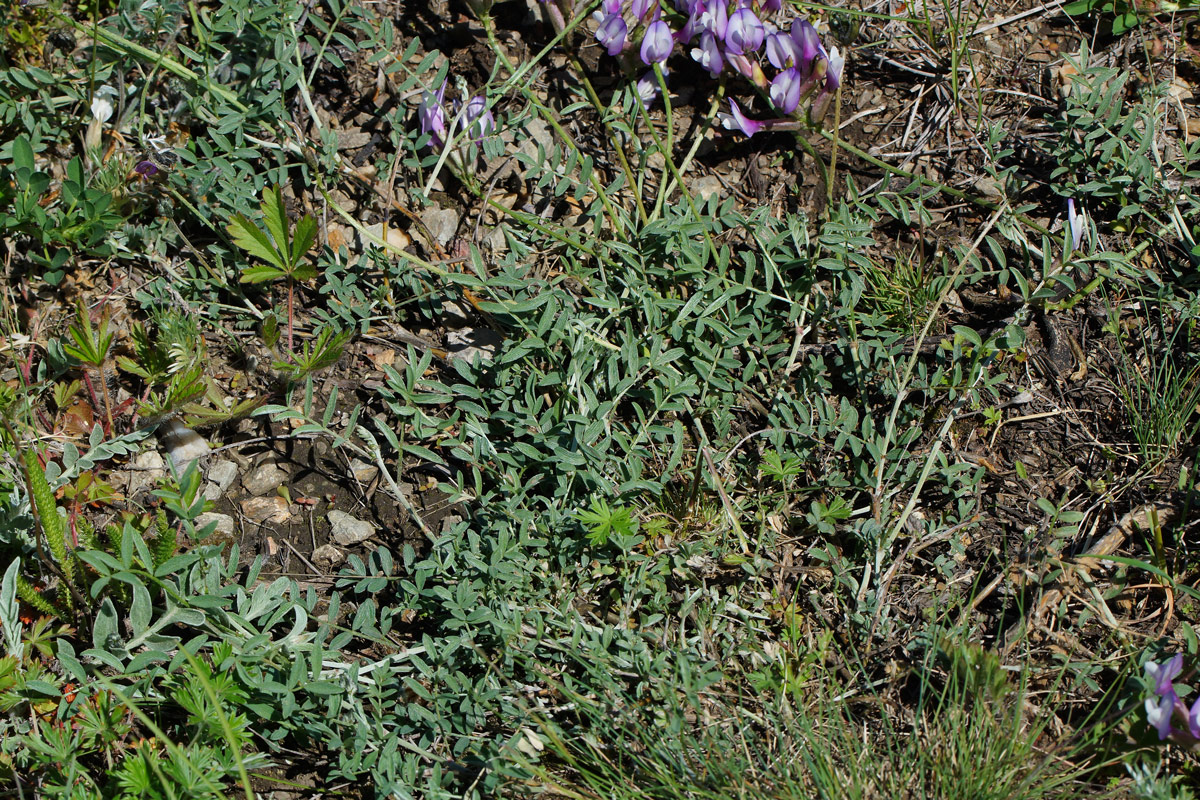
(291,290)
(107,402)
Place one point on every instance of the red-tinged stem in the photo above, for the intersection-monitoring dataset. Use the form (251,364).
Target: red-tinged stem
(291,290)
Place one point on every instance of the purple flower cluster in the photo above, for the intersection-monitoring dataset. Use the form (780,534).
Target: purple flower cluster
(729,34)
(1161,709)
(476,119)
(620,23)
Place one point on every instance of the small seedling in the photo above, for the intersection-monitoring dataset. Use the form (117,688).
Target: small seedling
(281,248)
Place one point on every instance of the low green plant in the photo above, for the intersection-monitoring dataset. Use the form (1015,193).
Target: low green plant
(78,218)
(1157,375)
(91,346)
(281,251)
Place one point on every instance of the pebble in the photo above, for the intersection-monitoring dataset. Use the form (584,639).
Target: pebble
(348,530)
(328,556)
(221,476)
(362,471)
(266,509)
(706,187)
(224,529)
(470,344)
(442,224)
(148,469)
(264,479)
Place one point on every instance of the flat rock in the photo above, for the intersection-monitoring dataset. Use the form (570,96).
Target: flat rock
(347,530)
(266,509)
(362,471)
(328,556)
(395,237)
(221,476)
(148,468)
(706,187)
(264,479)
(442,224)
(353,139)
(470,344)
(225,526)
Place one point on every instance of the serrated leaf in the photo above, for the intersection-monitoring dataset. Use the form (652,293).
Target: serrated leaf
(304,272)
(275,218)
(254,241)
(261,273)
(304,236)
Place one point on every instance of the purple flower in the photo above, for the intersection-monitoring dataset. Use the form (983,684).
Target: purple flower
(771,5)
(145,169)
(647,86)
(657,43)
(1077,222)
(432,116)
(1194,720)
(642,7)
(833,71)
(782,51)
(477,120)
(611,34)
(715,17)
(744,33)
(736,120)
(808,44)
(709,54)
(1159,714)
(785,90)
(1163,674)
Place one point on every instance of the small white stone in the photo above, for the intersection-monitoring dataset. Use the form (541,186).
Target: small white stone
(148,468)
(222,474)
(224,522)
(266,478)
(348,530)
(328,556)
(362,471)
(266,509)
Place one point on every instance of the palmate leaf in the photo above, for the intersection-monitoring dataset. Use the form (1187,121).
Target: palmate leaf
(257,243)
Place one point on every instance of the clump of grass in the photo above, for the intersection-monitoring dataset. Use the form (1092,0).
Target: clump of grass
(970,736)
(1158,379)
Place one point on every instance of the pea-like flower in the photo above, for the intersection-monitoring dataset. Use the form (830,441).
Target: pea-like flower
(1077,223)
(1159,713)
(744,33)
(612,34)
(786,90)
(715,17)
(102,108)
(1162,674)
(477,120)
(432,116)
(641,8)
(808,45)
(782,50)
(736,120)
(709,54)
(657,43)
